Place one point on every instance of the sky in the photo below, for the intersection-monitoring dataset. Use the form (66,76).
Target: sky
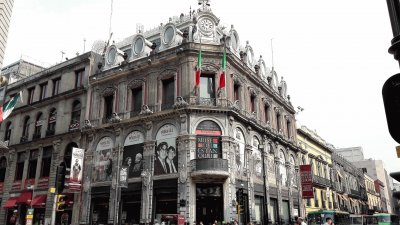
(332,54)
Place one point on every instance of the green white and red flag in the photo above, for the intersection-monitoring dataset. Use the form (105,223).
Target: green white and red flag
(7,108)
(222,79)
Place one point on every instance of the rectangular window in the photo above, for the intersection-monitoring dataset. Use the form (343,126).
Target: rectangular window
(20,166)
(7,133)
(108,106)
(168,92)
(46,161)
(78,78)
(207,86)
(137,97)
(32,164)
(278,122)
(288,127)
(266,116)
(43,90)
(236,95)
(31,93)
(253,103)
(3,168)
(56,86)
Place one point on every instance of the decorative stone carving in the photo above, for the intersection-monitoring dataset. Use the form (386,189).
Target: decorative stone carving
(115,118)
(183,118)
(145,110)
(87,125)
(145,175)
(135,83)
(148,125)
(110,90)
(253,91)
(180,103)
(182,174)
(267,101)
(235,106)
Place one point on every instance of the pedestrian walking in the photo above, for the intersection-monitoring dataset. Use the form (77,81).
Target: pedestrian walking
(328,221)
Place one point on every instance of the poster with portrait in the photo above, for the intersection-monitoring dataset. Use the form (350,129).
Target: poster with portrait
(75,180)
(133,153)
(240,160)
(257,154)
(166,155)
(103,160)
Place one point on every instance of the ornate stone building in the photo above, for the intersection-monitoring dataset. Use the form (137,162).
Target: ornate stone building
(196,146)
(190,149)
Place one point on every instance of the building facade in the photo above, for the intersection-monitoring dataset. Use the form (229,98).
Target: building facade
(317,153)
(40,134)
(6,7)
(374,200)
(352,154)
(209,147)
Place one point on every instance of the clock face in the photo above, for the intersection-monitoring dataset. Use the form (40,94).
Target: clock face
(206,25)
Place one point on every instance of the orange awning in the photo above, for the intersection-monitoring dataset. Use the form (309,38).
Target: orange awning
(39,201)
(10,202)
(24,197)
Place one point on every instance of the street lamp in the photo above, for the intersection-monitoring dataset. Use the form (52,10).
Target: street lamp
(261,147)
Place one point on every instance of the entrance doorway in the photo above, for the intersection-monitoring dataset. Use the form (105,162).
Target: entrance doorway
(209,203)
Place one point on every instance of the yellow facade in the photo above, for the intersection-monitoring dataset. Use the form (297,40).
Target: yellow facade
(374,201)
(318,154)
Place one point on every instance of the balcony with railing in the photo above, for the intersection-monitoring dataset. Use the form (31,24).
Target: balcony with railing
(74,126)
(24,139)
(50,133)
(320,181)
(355,193)
(209,169)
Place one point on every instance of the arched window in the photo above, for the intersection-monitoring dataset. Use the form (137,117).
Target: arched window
(257,155)
(75,115)
(51,128)
(208,140)
(7,133)
(293,175)
(282,168)
(38,126)
(3,167)
(240,152)
(25,130)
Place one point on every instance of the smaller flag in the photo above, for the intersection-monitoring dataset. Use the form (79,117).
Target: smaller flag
(8,107)
(198,68)
(222,76)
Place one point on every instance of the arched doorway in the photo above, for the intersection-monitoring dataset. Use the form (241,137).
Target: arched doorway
(209,195)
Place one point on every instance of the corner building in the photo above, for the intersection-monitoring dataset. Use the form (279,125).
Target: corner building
(189,150)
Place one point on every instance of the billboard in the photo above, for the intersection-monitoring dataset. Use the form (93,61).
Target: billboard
(166,160)
(75,180)
(306,181)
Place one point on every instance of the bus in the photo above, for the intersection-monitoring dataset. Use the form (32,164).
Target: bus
(363,220)
(386,219)
(319,217)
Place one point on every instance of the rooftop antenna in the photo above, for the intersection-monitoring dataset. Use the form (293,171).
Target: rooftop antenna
(190,12)
(62,55)
(272,53)
(84,44)
(111,12)
(139,28)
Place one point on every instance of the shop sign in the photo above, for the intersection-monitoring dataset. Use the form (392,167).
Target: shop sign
(134,138)
(75,180)
(306,181)
(29,217)
(208,147)
(123,177)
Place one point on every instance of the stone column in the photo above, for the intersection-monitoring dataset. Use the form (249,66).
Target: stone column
(290,189)
(250,182)
(279,187)
(230,189)
(147,182)
(267,200)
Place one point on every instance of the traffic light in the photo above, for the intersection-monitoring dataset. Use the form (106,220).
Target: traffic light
(62,202)
(60,178)
(239,209)
(391,100)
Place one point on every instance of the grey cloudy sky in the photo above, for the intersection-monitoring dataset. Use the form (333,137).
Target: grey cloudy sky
(333,54)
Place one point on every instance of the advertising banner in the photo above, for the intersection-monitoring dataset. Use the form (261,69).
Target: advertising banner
(306,181)
(75,180)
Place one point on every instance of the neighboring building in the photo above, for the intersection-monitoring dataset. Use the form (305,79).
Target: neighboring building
(396,198)
(374,200)
(40,133)
(352,154)
(380,189)
(349,184)
(192,150)
(6,7)
(317,153)
(376,169)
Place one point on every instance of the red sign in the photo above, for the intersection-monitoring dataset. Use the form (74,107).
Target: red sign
(208,132)
(306,181)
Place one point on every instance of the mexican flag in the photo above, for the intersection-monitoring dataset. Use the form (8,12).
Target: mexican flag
(198,69)
(223,67)
(8,107)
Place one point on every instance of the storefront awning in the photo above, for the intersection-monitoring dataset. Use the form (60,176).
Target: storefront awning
(39,201)
(24,197)
(10,202)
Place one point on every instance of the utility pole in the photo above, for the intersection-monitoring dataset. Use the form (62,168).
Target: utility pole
(261,147)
